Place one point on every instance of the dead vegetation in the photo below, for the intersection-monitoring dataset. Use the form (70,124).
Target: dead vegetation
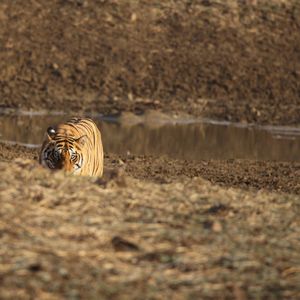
(75,238)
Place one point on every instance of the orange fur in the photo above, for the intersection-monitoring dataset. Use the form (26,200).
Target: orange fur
(75,147)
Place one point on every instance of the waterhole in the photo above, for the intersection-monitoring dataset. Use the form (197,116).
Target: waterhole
(177,138)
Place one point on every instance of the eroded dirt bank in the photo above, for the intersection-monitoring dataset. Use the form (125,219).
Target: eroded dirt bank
(233,60)
(76,238)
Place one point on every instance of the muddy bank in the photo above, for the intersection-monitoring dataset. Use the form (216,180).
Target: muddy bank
(245,174)
(232,60)
(69,237)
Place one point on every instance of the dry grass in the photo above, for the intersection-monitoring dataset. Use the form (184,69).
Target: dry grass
(77,238)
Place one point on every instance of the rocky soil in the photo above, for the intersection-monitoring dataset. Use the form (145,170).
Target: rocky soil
(233,60)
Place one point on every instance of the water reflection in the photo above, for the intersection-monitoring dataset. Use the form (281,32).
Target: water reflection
(192,141)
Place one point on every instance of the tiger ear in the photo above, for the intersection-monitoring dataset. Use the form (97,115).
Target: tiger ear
(50,133)
(82,140)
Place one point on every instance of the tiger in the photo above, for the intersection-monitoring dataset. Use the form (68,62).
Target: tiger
(74,146)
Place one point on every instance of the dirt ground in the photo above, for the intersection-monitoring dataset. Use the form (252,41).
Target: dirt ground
(232,60)
(152,227)
(244,174)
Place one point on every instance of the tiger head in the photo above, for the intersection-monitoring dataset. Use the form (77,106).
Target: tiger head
(62,152)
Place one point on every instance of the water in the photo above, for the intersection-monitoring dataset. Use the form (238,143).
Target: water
(183,139)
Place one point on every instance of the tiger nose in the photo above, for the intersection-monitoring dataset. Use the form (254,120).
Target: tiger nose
(65,150)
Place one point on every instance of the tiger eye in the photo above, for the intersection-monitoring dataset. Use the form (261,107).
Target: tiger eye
(51,131)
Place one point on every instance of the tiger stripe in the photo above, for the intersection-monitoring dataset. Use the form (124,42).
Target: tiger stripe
(75,147)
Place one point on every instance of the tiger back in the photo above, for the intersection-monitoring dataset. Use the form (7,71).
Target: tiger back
(75,147)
